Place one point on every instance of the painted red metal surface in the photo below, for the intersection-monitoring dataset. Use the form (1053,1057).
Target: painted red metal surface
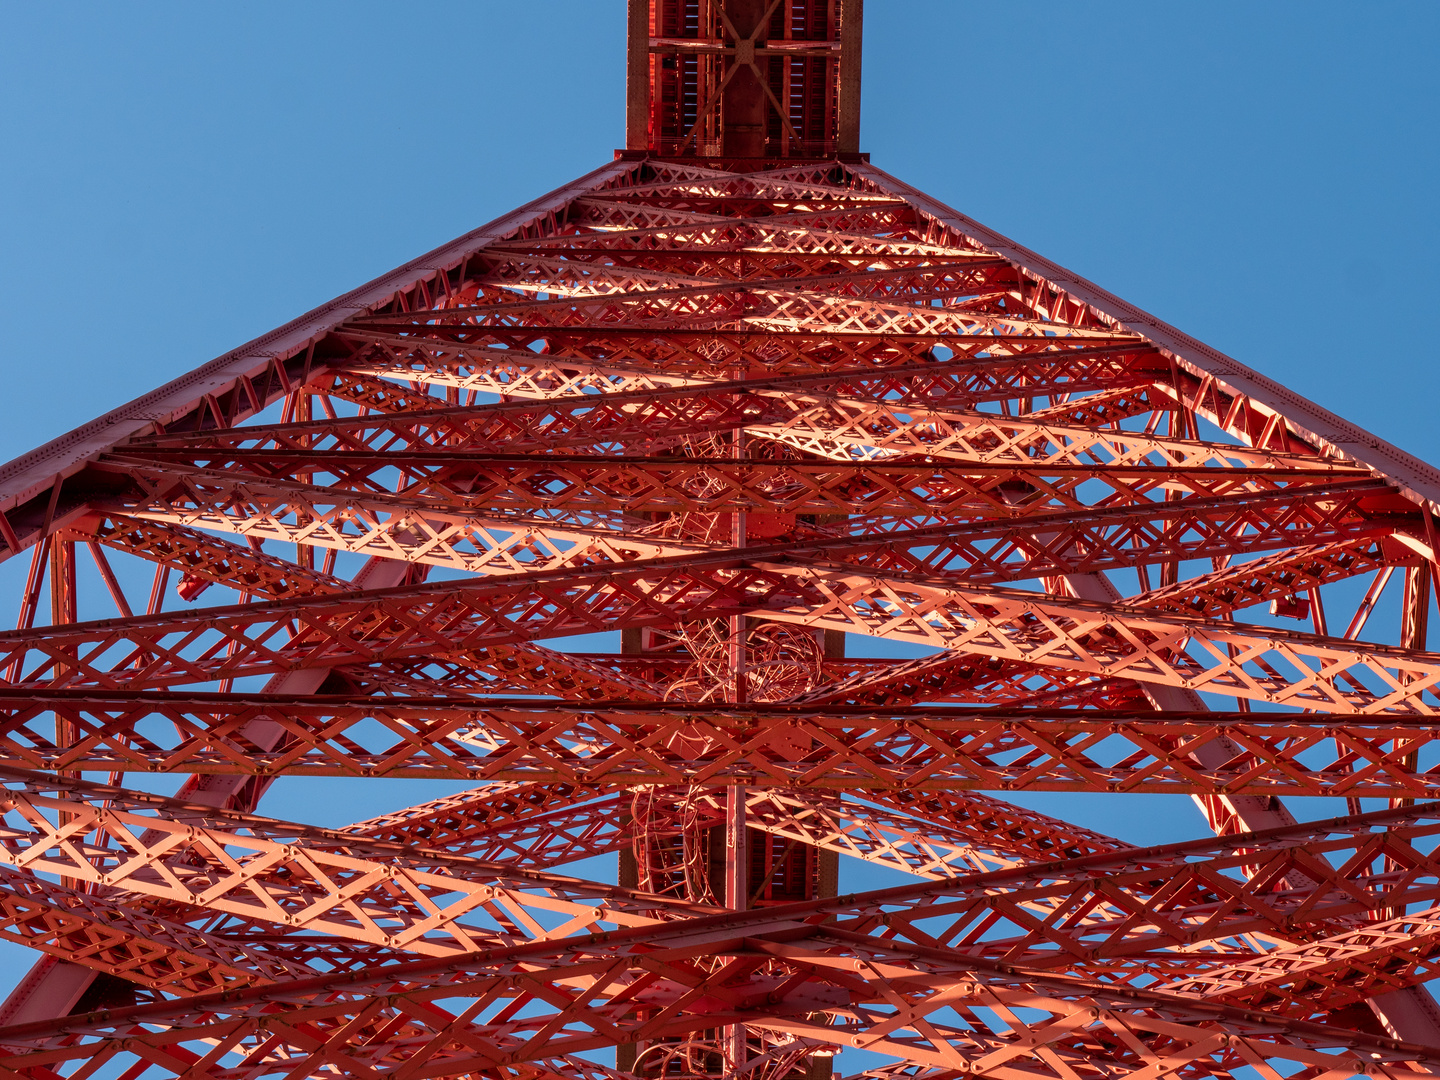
(732,79)
(755,405)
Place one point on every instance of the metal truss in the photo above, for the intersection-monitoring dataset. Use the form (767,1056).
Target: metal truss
(748,406)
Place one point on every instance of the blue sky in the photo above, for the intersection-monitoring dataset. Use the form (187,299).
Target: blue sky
(179,178)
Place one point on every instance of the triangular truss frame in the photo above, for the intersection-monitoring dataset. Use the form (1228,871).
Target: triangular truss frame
(736,414)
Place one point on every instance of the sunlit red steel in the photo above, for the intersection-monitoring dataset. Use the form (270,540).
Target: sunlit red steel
(754,404)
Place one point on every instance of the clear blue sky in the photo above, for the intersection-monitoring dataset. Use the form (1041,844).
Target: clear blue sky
(178,178)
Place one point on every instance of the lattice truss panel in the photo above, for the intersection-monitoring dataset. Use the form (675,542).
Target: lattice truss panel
(741,418)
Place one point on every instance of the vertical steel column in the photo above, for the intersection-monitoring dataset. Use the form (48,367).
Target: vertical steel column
(1414,630)
(852,13)
(637,77)
(304,412)
(737,886)
(64,608)
(737,843)
(1414,627)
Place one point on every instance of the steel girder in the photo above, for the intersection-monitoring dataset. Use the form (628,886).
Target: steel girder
(727,411)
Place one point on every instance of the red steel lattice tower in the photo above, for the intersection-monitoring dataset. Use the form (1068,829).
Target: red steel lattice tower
(743,398)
